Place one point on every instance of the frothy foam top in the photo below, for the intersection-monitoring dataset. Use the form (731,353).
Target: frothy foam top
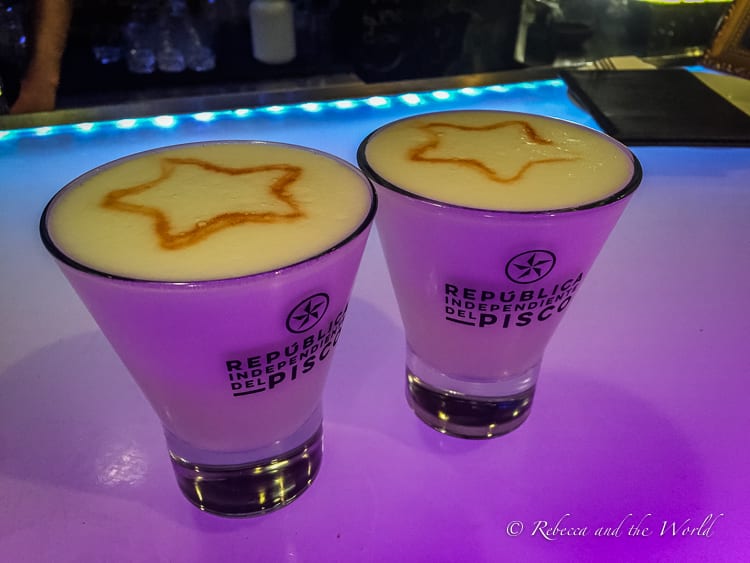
(208,211)
(498,160)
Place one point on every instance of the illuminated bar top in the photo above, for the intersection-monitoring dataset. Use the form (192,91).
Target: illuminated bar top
(635,450)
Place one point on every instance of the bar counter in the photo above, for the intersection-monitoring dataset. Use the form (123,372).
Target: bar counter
(636,448)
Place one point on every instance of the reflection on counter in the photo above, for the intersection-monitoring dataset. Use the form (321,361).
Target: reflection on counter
(567,32)
(344,105)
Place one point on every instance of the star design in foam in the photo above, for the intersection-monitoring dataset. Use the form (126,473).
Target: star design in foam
(531,149)
(266,190)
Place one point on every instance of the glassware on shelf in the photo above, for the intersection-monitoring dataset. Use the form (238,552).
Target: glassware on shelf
(180,44)
(140,55)
(272,31)
(199,56)
(140,38)
(169,57)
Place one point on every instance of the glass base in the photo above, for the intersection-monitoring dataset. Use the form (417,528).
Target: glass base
(467,416)
(254,488)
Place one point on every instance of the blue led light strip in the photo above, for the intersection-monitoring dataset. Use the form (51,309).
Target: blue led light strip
(411,99)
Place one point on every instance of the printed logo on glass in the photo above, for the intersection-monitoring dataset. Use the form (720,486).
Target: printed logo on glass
(530,266)
(307,313)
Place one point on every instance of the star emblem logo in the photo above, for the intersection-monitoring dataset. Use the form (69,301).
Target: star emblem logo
(264,196)
(530,266)
(444,146)
(306,314)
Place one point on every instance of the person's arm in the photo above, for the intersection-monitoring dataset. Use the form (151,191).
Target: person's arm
(39,85)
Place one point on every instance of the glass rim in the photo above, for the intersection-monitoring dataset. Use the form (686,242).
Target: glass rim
(60,255)
(628,188)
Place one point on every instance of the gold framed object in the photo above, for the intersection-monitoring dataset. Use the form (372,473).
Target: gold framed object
(730,48)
